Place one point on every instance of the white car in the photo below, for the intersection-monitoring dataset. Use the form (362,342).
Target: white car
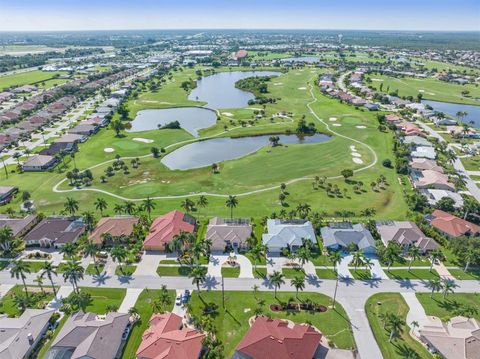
(178,301)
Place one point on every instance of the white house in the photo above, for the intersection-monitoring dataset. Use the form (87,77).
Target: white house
(287,233)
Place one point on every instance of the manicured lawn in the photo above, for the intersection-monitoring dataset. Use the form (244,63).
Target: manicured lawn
(260,272)
(145,310)
(230,272)
(326,273)
(232,324)
(182,271)
(39,300)
(125,270)
(420,262)
(361,274)
(472,274)
(260,262)
(321,260)
(169,261)
(102,297)
(35,266)
(392,303)
(451,305)
(413,274)
(293,272)
(94,271)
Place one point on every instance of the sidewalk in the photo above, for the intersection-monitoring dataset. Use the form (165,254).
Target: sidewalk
(63,292)
(130,299)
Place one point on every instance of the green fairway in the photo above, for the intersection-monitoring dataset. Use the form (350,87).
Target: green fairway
(450,306)
(392,303)
(430,88)
(27,78)
(232,324)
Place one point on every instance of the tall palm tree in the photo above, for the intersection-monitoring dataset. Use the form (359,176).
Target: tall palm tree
(395,325)
(188,205)
(73,272)
(276,279)
(257,252)
(198,275)
(19,270)
(22,301)
(6,239)
(71,205)
(129,207)
(231,202)
(119,254)
(164,298)
(118,208)
(298,283)
(39,281)
(202,201)
(434,255)
(69,250)
(89,220)
(358,259)
(448,286)
(391,254)
(367,263)
(414,253)
(48,269)
(435,285)
(100,205)
(91,250)
(81,300)
(335,258)
(148,205)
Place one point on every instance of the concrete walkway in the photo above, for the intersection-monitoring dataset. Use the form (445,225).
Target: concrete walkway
(377,270)
(4,288)
(63,292)
(130,299)
(442,271)
(342,267)
(149,263)
(416,312)
(110,267)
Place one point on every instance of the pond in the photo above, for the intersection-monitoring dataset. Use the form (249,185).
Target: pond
(191,119)
(219,90)
(205,153)
(473,112)
(306,59)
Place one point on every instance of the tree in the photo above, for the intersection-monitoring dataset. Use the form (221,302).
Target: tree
(257,252)
(435,285)
(68,250)
(19,270)
(391,253)
(276,279)
(448,286)
(188,205)
(346,173)
(39,280)
(119,254)
(80,300)
(298,283)
(118,126)
(414,253)
(129,207)
(91,250)
(73,273)
(7,241)
(387,163)
(148,205)
(395,325)
(71,206)
(435,255)
(358,259)
(100,205)
(89,220)
(198,275)
(48,269)
(202,201)
(164,299)
(231,203)
(335,258)
(22,301)
(155,152)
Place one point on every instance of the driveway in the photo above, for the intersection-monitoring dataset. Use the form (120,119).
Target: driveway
(376,270)
(63,292)
(179,310)
(4,288)
(342,267)
(217,260)
(416,312)
(149,263)
(130,299)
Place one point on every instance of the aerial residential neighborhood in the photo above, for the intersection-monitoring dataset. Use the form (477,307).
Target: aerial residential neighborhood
(255,180)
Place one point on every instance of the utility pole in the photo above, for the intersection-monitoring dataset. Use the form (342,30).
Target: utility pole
(335,293)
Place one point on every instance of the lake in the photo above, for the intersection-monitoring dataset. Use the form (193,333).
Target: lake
(191,119)
(306,59)
(219,90)
(473,112)
(205,153)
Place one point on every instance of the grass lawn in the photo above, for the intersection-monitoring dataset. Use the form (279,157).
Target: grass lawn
(326,273)
(392,303)
(471,163)
(94,271)
(145,310)
(261,262)
(293,272)
(420,262)
(230,272)
(471,274)
(413,274)
(233,323)
(169,261)
(4,264)
(450,306)
(125,270)
(35,266)
(260,273)
(182,271)
(26,78)
(102,297)
(39,300)
(361,274)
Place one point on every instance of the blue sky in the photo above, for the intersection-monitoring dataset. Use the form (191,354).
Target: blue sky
(38,15)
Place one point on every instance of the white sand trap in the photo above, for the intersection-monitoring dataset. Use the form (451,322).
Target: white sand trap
(144,140)
(333,118)
(421,90)
(228,114)
(357,160)
(430,93)
(356,154)
(302,88)
(361,126)
(253,108)
(337,125)
(108,150)
(352,148)
(379,80)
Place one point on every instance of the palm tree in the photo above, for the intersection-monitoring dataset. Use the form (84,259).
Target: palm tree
(73,273)
(164,298)
(414,253)
(276,279)
(48,269)
(6,239)
(335,258)
(391,254)
(71,205)
(358,259)
(22,301)
(119,254)
(91,250)
(18,270)
(448,286)
(298,283)
(257,252)
(39,281)
(69,250)
(101,205)
(148,205)
(231,203)
(188,205)
(118,208)
(129,207)
(434,255)
(395,325)
(255,289)
(202,201)
(81,300)
(367,263)
(435,285)
(89,220)
(198,275)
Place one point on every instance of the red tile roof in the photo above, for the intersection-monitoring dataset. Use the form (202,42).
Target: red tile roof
(115,226)
(274,338)
(165,340)
(452,225)
(241,54)
(164,228)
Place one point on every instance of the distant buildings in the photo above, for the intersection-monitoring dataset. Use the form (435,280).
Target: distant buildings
(287,234)
(19,226)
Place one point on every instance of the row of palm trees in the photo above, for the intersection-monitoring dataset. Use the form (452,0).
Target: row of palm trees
(190,206)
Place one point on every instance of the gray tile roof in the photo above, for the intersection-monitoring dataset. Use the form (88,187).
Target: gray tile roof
(342,234)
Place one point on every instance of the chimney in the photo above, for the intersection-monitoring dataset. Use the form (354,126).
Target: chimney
(30,338)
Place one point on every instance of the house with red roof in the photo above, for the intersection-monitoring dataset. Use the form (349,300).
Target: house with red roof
(167,339)
(165,227)
(451,225)
(279,339)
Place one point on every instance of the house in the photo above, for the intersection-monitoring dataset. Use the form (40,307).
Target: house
(19,336)
(409,129)
(19,226)
(84,130)
(241,54)
(88,335)
(111,230)
(451,225)
(393,119)
(432,179)
(457,339)
(372,106)
(416,141)
(167,338)
(228,233)
(71,138)
(58,147)
(342,234)
(424,152)
(435,195)
(55,231)
(165,227)
(444,121)
(284,233)
(39,163)
(421,164)
(279,339)
(406,234)
(6,193)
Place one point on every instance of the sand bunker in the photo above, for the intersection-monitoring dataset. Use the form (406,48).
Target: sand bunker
(421,90)
(277,84)
(352,148)
(356,154)
(361,126)
(108,150)
(228,114)
(380,80)
(302,88)
(357,160)
(337,125)
(144,140)
(333,119)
